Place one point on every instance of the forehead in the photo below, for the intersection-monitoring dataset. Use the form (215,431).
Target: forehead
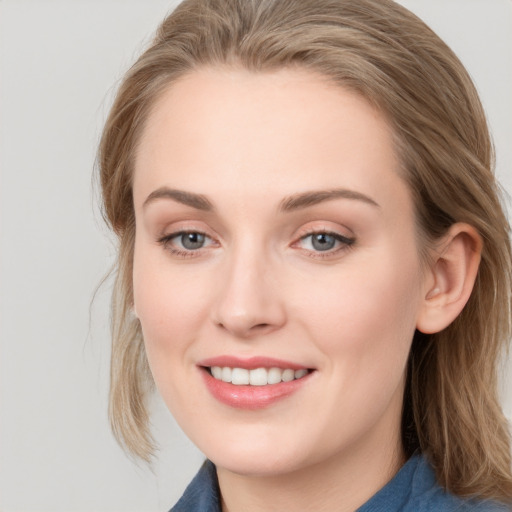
(273,133)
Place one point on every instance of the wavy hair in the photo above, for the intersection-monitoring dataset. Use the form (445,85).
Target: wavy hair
(383,52)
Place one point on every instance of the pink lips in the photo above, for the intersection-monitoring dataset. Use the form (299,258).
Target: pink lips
(250,397)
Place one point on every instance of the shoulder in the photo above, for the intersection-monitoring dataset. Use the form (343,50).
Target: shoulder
(433,498)
(415,489)
(442,501)
(445,502)
(202,493)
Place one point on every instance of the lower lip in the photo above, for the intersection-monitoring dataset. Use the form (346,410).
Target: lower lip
(251,397)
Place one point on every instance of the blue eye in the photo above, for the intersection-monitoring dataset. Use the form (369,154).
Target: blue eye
(191,241)
(324,242)
(185,243)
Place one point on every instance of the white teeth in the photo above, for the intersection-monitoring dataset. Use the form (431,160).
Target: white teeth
(240,376)
(274,375)
(217,372)
(300,373)
(288,375)
(256,377)
(226,374)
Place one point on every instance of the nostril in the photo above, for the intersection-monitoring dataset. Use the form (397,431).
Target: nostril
(245,331)
(260,327)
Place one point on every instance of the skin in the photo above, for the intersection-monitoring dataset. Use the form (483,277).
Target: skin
(258,287)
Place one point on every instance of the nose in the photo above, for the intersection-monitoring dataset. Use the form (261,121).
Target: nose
(249,302)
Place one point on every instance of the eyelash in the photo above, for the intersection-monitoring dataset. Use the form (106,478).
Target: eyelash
(165,241)
(345,243)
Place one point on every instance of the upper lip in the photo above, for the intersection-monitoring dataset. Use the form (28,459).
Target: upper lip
(250,363)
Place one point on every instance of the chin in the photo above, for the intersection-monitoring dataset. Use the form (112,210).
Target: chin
(252,456)
(264,456)
(256,465)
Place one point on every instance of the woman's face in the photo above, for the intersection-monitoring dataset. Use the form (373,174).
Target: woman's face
(275,240)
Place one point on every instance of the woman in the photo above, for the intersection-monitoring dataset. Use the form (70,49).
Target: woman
(314,266)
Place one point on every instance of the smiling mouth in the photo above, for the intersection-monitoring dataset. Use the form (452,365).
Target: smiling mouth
(256,376)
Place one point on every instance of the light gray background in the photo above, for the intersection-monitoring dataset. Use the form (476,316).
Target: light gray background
(59,63)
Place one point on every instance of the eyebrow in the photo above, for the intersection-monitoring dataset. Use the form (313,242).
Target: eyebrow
(306,199)
(288,204)
(197,201)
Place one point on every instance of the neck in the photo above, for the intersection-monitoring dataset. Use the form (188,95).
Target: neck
(343,483)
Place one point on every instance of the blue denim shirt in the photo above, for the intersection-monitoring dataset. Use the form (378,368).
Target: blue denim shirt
(413,489)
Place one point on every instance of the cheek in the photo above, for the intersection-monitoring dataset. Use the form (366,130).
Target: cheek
(167,304)
(364,324)
(366,309)
(169,309)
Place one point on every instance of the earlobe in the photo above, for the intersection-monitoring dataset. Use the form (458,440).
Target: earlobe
(451,278)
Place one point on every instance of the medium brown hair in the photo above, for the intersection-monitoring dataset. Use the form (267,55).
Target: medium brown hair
(386,54)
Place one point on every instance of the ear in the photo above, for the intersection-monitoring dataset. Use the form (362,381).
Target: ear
(450,279)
